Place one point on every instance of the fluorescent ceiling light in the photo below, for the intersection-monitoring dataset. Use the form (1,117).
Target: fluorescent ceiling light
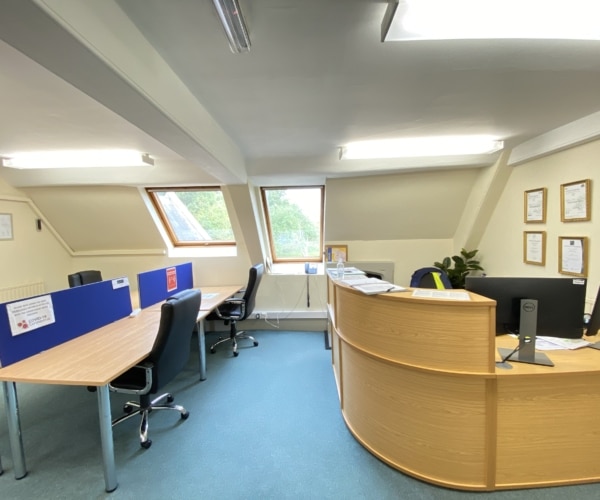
(491,19)
(234,25)
(421,147)
(78,159)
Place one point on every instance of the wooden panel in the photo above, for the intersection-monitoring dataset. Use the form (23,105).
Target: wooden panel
(435,334)
(547,429)
(427,424)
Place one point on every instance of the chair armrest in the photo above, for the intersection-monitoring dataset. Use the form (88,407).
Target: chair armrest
(234,301)
(146,366)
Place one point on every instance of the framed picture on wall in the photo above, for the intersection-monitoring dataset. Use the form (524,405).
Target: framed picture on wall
(575,201)
(534,247)
(535,205)
(6,227)
(333,253)
(572,255)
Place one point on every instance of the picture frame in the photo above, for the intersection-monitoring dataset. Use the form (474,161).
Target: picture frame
(575,202)
(333,253)
(534,247)
(535,205)
(573,255)
(6,227)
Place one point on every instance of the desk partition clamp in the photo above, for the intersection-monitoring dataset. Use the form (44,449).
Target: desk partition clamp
(14,429)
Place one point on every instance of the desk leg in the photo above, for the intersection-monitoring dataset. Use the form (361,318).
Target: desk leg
(14,428)
(106,436)
(202,349)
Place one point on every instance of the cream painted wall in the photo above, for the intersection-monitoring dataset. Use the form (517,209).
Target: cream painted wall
(501,247)
(406,255)
(32,256)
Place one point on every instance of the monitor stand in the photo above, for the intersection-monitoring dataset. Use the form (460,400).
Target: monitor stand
(527,332)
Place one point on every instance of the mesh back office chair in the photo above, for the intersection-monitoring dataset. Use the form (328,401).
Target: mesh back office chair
(430,277)
(84,278)
(238,309)
(169,356)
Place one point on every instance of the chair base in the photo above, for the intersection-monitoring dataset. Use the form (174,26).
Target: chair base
(155,404)
(233,339)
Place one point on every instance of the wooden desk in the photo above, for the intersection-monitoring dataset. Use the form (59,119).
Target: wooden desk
(419,388)
(93,359)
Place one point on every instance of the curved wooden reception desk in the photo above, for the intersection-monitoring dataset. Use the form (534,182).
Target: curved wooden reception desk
(419,388)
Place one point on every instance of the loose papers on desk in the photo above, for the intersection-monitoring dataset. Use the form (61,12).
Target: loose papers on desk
(441,294)
(372,286)
(544,343)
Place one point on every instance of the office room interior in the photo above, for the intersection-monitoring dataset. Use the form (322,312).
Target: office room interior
(160,78)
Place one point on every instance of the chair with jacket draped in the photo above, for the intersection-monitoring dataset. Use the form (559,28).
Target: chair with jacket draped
(430,277)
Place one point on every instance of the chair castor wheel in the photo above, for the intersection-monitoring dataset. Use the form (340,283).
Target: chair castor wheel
(146,444)
(255,343)
(185,415)
(235,354)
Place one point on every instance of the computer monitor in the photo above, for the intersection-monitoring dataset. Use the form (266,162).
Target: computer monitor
(594,323)
(561,302)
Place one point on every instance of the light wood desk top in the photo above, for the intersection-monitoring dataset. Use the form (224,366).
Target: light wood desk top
(208,304)
(92,359)
(577,361)
(223,291)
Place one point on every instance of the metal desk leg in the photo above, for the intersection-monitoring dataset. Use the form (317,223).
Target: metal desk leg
(14,428)
(106,436)
(202,349)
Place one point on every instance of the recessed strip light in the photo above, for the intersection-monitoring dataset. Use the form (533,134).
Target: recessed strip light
(77,159)
(421,147)
(491,19)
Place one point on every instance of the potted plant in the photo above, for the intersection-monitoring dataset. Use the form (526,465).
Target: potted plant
(463,265)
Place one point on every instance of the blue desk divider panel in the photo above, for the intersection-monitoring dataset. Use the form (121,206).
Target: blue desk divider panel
(159,284)
(77,311)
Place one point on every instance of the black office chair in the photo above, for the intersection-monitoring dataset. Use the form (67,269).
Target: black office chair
(430,277)
(169,356)
(238,309)
(84,278)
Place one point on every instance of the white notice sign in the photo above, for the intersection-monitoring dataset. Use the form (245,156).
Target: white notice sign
(30,314)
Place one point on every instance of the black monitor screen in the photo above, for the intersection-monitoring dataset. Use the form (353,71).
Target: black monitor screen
(561,302)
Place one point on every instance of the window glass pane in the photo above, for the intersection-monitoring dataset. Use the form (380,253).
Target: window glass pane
(294,220)
(194,215)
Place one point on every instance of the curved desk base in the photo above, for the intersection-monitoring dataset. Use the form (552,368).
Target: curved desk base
(420,398)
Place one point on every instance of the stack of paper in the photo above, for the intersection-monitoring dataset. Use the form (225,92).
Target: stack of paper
(372,286)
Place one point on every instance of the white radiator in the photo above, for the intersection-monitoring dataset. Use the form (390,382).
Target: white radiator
(22,291)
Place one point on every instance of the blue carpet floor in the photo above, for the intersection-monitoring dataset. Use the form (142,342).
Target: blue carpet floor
(264,425)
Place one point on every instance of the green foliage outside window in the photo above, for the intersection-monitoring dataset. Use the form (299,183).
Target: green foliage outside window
(294,216)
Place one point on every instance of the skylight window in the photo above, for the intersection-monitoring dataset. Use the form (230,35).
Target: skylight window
(487,19)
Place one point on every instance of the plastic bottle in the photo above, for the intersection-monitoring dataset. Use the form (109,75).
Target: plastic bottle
(340,269)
